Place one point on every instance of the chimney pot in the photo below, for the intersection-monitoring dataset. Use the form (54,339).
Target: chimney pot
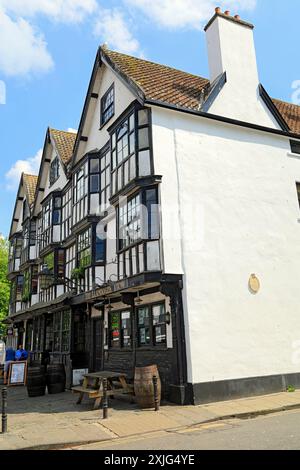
(227,12)
(218,10)
(237,17)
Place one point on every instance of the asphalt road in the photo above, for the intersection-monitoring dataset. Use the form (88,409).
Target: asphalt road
(279,431)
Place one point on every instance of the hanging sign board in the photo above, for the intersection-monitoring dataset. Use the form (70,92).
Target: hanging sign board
(17,373)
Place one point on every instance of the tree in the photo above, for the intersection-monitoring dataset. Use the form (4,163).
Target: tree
(4,284)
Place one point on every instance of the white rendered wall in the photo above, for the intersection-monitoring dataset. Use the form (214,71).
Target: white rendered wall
(231,49)
(241,185)
(60,183)
(123,97)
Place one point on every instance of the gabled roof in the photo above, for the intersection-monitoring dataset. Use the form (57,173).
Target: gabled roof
(291,114)
(27,188)
(30,183)
(64,143)
(172,86)
(159,82)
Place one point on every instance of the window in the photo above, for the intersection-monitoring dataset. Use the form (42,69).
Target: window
(100,249)
(19,287)
(107,105)
(56,331)
(80,207)
(38,333)
(123,154)
(32,233)
(66,213)
(151,325)
(120,329)
(138,220)
(295,146)
(84,254)
(56,216)
(65,331)
(298,192)
(105,178)
(94,175)
(34,280)
(26,286)
(129,222)
(54,171)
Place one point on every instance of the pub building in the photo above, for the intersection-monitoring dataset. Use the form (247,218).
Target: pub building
(140,239)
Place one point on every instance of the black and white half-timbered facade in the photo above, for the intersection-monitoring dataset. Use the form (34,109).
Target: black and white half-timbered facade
(161,232)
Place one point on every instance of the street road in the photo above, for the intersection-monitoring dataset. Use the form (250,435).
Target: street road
(280,431)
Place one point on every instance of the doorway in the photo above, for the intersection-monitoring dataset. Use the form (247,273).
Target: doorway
(97,344)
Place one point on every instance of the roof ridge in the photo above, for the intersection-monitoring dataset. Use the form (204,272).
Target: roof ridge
(105,50)
(286,102)
(59,130)
(29,174)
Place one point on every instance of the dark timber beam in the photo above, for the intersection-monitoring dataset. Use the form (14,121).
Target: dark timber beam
(83,138)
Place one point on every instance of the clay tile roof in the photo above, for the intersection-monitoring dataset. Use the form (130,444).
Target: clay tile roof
(159,82)
(64,142)
(30,183)
(291,114)
(175,87)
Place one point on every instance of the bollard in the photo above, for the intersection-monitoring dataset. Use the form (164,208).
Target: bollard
(156,398)
(4,406)
(105,400)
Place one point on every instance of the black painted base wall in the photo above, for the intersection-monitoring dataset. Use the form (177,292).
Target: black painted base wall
(203,393)
(124,361)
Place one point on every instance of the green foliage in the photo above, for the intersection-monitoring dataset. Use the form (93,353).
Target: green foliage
(291,389)
(77,273)
(4,284)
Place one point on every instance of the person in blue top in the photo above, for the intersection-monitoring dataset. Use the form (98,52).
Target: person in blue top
(21,354)
(9,357)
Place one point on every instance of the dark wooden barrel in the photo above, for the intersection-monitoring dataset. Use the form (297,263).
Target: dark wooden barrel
(56,378)
(36,381)
(143,386)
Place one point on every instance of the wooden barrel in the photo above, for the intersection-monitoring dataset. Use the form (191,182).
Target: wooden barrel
(56,378)
(143,386)
(36,381)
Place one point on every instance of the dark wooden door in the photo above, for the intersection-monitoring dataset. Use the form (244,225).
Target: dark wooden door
(97,350)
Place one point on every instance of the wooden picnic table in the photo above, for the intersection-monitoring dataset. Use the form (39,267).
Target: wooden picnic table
(93,386)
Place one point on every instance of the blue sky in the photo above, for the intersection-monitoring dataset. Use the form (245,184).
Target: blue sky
(47,50)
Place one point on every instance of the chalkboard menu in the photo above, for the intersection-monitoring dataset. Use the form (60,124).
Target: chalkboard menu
(17,373)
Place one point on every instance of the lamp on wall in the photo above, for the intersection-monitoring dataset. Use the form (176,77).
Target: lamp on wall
(168,318)
(138,299)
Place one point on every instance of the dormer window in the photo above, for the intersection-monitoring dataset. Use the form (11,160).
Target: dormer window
(107,105)
(54,171)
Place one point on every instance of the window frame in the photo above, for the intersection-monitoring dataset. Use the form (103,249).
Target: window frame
(152,327)
(54,171)
(120,346)
(104,110)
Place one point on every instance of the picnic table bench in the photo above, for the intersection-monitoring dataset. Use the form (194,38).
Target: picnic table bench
(93,386)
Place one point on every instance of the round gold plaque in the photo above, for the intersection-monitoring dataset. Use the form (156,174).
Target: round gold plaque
(254,283)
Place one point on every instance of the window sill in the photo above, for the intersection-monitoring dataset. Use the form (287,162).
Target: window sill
(105,123)
(293,155)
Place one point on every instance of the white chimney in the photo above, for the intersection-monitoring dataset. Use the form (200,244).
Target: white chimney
(230,44)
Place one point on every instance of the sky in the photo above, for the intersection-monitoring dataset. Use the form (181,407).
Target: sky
(48,47)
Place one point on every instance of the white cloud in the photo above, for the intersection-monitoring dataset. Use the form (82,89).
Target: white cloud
(67,11)
(186,13)
(70,129)
(22,48)
(113,28)
(30,166)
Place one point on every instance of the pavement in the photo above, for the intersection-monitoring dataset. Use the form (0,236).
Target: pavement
(55,421)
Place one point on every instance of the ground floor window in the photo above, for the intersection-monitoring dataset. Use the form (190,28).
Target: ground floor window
(151,325)
(56,328)
(120,329)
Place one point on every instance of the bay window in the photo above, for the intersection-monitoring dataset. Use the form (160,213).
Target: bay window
(130,149)
(80,193)
(84,248)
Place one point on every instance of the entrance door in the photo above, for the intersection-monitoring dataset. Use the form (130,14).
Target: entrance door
(97,352)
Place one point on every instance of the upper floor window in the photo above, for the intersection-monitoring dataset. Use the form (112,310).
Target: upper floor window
(131,149)
(54,171)
(138,218)
(56,216)
(295,146)
(84,249)
(298,192)
(104,178)
(107,105)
